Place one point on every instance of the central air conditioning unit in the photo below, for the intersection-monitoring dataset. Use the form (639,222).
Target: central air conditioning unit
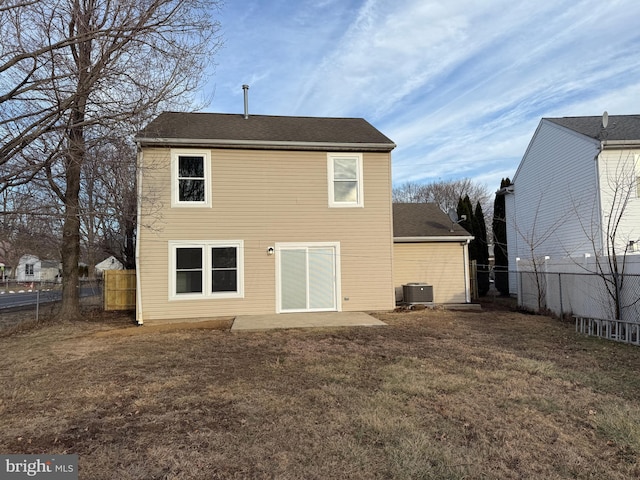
(417,293)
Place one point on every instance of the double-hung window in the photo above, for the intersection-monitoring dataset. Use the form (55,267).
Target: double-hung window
(345,179)
(191,178)
(189,270)
(224,269)
(212,269)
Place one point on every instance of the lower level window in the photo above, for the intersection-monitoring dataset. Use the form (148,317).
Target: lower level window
(212,269)
(189,270)
(224,269)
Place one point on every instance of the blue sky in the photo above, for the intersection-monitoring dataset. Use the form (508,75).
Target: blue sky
(458,85)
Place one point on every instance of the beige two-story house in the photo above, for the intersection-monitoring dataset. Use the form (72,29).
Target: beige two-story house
(253,214)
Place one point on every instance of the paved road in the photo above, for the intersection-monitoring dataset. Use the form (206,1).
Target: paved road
(29,299)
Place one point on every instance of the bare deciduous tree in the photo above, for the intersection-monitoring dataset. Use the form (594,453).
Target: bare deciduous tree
(73,69)
(609,238)
(445,194)
(29,223)
(534,238)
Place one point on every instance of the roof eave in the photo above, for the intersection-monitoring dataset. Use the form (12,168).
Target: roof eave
(434,238)
(621,143)
(265,145)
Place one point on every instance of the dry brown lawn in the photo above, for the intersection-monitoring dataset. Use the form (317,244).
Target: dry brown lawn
(434,395)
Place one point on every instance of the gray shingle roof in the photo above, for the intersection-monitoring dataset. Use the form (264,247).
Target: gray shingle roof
(263,131)
(620,127)
(423,220)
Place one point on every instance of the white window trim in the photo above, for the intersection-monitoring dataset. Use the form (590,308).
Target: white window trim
(175,190)
(337,272)
(330,180)
(206,245)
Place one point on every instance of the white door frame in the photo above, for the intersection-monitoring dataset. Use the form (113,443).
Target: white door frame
(337,273)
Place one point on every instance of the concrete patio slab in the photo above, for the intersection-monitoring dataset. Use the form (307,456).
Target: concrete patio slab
(305,320)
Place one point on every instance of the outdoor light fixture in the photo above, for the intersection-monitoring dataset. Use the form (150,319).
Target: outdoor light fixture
(270,250)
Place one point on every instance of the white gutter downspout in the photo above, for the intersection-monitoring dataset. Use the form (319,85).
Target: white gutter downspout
(467,279)
(599,198)
(139,317)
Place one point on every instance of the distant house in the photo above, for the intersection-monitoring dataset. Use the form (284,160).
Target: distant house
(254,214)
(429,248)
(577,181)
(110,263)
(33,269)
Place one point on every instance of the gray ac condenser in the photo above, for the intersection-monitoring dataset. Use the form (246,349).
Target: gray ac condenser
(417,293)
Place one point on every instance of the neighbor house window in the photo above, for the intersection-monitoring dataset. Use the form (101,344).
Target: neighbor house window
(191,178)
(28,269)
(345,179)
(212,269)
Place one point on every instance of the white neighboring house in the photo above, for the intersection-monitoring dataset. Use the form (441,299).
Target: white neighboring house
(111,263)
(31,268)
(576,179)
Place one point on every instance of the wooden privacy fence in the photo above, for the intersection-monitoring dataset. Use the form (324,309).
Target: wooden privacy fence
(473,277)
(119,289)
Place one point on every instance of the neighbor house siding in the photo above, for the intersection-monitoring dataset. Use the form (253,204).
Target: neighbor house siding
(432,263)
(263,197)
(618,171)
(555,196)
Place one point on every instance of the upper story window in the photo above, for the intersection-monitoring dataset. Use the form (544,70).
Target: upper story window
(29,269)
(345,179)
(191,178)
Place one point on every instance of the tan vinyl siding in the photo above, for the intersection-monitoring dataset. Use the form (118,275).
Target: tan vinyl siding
(265,197)
(438,264)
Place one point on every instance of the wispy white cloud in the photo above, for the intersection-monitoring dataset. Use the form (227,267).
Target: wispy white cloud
(459,86)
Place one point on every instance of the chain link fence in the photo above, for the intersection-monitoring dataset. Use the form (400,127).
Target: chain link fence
(23,301)
(581,294)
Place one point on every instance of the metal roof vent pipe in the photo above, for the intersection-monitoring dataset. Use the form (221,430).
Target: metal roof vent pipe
(246,101)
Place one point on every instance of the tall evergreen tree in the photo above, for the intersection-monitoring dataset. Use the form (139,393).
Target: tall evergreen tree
(482,250)
(501,269)
(466,210)
(474,223)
